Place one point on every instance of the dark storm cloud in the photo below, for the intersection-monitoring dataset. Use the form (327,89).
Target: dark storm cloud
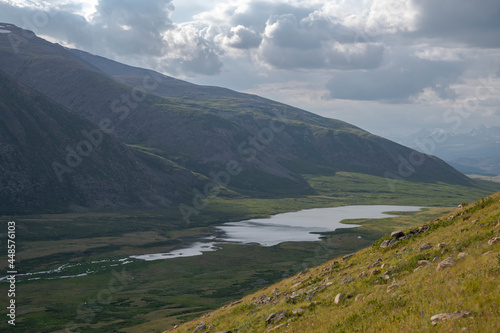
(476,23)
(397,82)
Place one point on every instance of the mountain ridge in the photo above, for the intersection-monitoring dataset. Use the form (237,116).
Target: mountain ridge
(273,144)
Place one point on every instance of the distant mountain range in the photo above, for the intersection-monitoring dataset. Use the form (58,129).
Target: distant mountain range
(476,151)
(78,131)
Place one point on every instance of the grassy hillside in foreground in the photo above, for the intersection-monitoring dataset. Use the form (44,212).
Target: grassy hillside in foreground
(166,293)
(387,289)
(163,292)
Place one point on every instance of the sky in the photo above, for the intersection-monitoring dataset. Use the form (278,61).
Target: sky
(391,67)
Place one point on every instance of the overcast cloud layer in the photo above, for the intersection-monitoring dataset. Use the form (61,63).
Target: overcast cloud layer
(389,66)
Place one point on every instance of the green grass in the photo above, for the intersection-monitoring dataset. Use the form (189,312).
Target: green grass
(355,188)
(168,292)
(471,285)
(178,289)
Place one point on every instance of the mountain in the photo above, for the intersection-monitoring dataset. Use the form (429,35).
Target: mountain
(441,277)
(248,144)
(489,166)
(52,160)
(476,151)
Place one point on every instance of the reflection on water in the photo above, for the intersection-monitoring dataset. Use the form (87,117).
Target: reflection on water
(194,249)
(301,226)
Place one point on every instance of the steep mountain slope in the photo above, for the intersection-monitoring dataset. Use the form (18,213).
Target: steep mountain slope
(268,146)
(169,87)
(52,160)
(441,277)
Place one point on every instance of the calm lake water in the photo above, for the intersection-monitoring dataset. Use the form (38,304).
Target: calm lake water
(301,226)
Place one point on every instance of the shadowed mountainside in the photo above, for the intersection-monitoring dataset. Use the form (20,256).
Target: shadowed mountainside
(208,130)
(38,137)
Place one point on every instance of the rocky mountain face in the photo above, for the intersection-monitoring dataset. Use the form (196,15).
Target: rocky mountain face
(250,145)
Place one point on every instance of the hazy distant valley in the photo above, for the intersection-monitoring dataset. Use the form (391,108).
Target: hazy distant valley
(105,167)
(474,152)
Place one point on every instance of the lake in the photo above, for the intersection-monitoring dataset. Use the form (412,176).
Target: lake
(302,226)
